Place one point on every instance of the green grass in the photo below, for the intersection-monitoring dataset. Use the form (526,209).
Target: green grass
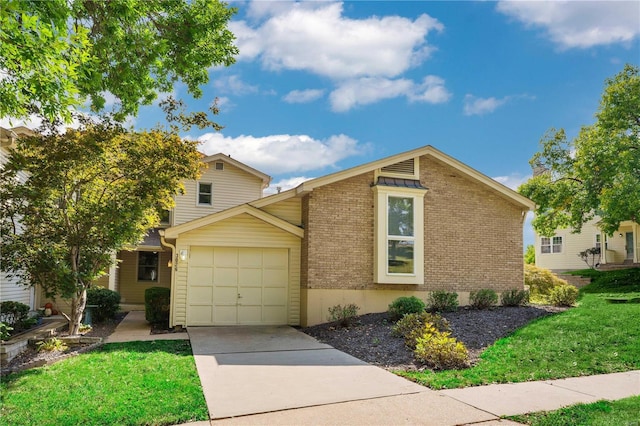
(602,413)
(594,338)
(137,383)
(621,281)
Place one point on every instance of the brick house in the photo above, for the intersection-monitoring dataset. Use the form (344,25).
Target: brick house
(408,224)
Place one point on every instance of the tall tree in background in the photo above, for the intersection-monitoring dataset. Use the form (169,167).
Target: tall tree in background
(88,194)
(57,53)
(598,173)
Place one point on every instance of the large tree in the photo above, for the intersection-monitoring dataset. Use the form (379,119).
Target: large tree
(57,53)
(87,194)
(597,173)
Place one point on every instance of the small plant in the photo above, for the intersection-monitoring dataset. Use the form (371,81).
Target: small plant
(403,306)
(344,315)
(483,299)
(412,326)
(590,256)
(15,315)
(51,344)
(564,295)
(107,302)
(440,351)
(540,281)
(84,328)
(514,297)
(156,305)
(442,301)
(5,331)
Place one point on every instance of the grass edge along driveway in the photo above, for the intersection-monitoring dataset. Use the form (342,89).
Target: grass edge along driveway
(135,383)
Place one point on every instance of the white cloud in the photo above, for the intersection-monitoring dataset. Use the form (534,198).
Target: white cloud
(513,180)
(234,85)
(278,154)
(480,106)
(317,38)
(303,96)
(369,90)
(285,184)
(578,24)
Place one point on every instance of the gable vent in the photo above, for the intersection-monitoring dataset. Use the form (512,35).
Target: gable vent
(404,167)
(219,165)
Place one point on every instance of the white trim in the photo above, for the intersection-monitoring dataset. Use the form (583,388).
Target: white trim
(380,255)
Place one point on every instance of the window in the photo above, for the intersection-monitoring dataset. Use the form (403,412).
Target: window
(148,262)
(598,242)
(399,247)
(551,245)
(219,165)
(205,191)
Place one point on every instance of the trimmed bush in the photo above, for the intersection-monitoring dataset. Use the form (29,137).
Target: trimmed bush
(344,315)
(540,281)
(440,351)
(442,301)
(403,306)
(156,305)
(411,326)
(514,297)
(107,302)
(563,295)
(15,315)
(483,299)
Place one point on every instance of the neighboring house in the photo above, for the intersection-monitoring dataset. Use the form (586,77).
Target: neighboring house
(560,252)
(10,288)
(405,225)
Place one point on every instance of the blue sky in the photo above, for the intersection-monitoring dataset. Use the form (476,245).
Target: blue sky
(323,86)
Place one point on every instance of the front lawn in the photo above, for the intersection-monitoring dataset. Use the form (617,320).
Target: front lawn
(136,383)
(601,413)
(594,338)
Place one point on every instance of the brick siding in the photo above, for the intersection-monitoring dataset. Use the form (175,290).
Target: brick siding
(473,236)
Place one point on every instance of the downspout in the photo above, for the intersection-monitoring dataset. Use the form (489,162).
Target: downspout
(174,266)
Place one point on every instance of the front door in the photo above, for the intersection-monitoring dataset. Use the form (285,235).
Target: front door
(629,245)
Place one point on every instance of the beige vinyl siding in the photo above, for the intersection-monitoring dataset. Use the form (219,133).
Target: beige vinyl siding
(231,187)
(240,231)
(131,290)
(289,210)
(572,244)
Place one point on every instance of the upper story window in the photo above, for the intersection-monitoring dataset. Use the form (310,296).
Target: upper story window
(148,263)
(399,234)
(205,194)
(551,245)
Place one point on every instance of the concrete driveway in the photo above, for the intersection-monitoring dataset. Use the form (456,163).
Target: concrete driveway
(252,370)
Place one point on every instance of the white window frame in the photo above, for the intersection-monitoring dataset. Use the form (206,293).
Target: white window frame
(381,246)
(551,244)
(198,203)
(598,243)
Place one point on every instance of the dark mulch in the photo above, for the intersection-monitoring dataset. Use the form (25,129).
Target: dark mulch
(30,357)
(371,339)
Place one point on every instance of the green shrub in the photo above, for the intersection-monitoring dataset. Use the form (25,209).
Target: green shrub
(403,306)
(5,331)
(483,299)
(15,315)
(411,326)
(52,344)
(344,315)
(514,297)
(156,305)
(442,301)
(440,351)
(563,295)
(540,281)
(107,302)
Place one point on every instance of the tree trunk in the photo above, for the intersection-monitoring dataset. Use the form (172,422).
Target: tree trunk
(77,309)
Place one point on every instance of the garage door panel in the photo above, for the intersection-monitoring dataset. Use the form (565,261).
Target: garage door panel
(201,275)
(225,315)
(275,258)
(225,295)
(200,315)
(201,256)
(250,258)
(250,315)
(274,296)
(225,276)
(250,276)
(274,315)
(224,257)
(201,295)
(250,296)
(275,278)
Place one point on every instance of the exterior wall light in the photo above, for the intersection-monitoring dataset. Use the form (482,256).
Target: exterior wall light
(183,255)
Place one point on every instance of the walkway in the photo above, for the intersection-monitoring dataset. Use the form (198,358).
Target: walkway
(279,376)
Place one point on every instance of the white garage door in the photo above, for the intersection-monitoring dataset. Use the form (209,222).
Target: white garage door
(230,286)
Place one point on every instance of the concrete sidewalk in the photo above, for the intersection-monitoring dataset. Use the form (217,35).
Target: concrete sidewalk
(134,327)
